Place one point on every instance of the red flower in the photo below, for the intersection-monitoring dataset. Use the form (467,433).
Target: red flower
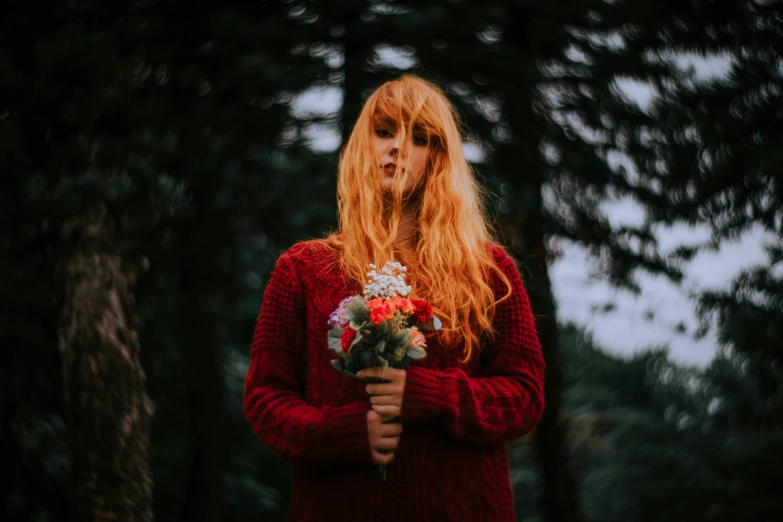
(402,304)
(382,312)
(422,310)
(347,338)
(372,304)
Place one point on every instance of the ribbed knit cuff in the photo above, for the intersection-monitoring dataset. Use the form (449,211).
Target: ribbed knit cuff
(346,435)
(426,394)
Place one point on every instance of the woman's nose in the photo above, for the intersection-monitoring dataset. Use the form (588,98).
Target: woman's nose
(395,148)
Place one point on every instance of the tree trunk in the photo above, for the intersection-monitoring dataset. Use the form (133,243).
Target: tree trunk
(559,488)
(560,495)
(106,404)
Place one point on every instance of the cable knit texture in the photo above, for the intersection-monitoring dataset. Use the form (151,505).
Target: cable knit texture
(451,463)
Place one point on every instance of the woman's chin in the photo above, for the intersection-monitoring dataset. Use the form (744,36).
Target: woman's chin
(387,182)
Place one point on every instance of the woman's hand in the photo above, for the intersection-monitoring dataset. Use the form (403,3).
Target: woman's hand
(386,398)
(384,437)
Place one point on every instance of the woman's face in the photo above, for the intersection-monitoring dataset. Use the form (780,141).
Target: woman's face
(387,148)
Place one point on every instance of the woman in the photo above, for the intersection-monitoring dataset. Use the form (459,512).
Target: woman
(405,193)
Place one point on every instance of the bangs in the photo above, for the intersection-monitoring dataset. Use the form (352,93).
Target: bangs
(393,108)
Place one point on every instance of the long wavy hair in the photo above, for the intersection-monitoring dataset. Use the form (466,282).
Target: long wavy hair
(452,261)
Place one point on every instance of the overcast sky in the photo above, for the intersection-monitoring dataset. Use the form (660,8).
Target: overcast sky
(628,329)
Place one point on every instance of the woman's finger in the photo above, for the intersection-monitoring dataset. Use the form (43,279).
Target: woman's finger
(387,443)
(387,412)
(382,458)
(386,400)
(369,372)
(391,429)
(388,373)
(390,388)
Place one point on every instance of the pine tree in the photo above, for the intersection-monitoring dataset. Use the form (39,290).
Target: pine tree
(60,78)
(656,441)
(704,152)
(214,108)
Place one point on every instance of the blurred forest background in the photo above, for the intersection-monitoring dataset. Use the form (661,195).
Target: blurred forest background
(154,169)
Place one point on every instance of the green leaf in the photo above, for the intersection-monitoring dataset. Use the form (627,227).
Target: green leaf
(333,339)
(350,365)
(383,329)
(335,345)
(398,339)
(356,340)
(416,352)
(343,368)
(357,310)
(364,359)
(365,328)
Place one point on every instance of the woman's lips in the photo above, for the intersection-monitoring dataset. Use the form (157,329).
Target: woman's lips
(390,168)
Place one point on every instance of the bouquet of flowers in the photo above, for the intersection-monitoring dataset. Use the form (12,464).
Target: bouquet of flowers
(382,327)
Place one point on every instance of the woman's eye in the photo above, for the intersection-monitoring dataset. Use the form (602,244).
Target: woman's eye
(383,133)
(420,140)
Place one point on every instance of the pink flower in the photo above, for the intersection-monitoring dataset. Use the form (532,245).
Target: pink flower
(418,339)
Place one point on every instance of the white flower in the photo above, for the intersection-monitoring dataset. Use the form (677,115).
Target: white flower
(388,283)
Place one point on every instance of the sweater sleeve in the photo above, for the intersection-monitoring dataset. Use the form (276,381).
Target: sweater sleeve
(273,399)
(506,400)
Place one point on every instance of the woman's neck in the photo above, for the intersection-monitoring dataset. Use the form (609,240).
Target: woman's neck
(406,227)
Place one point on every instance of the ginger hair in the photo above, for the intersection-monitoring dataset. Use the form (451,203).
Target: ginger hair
(452,260)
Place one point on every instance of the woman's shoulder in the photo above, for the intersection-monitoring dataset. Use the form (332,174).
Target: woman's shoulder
(500,254)
(307,249)
(312,258)
(505,264)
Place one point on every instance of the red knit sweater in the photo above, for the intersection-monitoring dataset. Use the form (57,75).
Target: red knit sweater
(450,463)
